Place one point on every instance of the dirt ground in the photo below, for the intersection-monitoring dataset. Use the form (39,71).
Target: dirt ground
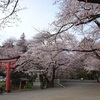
(72,91)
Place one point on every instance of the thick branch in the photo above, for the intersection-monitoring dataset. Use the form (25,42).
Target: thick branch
(91,18)
(98,23)
(91,1)
(97,55)
(77,50)
(91,50)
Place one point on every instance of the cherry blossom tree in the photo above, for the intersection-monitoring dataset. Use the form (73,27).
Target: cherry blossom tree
(80,13)
(82,16)
(10,52)
(9,42)
(46,56)
(9,49)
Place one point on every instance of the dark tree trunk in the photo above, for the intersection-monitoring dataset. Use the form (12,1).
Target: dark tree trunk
(53,77)
(97,78)
(50,83)
(91,1)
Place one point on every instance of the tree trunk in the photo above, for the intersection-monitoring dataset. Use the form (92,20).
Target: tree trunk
(97,76)
(50,83)
(53,77)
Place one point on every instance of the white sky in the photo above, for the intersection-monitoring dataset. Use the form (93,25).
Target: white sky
(39,14)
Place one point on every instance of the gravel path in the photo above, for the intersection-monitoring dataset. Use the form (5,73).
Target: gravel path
(77,91)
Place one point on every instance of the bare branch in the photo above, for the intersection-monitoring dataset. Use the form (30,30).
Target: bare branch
(11,10)
(8,3)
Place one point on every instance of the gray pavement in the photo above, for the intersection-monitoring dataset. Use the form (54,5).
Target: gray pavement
(72,91)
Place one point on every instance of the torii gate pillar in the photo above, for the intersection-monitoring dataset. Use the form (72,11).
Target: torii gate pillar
(8,77)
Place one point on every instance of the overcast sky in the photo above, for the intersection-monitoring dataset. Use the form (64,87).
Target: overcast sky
(39,14)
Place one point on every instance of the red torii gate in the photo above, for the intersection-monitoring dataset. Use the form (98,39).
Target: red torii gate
(8,64)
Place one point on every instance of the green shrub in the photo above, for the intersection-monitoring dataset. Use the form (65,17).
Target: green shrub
(3,84)
(29,85)
(81,73)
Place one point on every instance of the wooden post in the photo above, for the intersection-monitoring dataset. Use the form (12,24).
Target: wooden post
(20,85)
